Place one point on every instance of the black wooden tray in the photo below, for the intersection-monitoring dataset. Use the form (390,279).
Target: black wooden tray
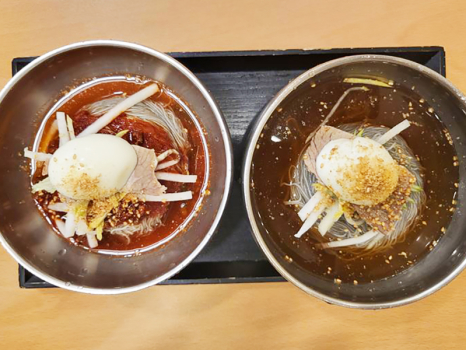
(243,82)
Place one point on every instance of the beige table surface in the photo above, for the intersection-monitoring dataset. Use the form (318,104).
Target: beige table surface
(235,316)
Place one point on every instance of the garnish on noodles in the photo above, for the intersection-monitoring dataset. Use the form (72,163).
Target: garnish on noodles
(112,171)
(361,185)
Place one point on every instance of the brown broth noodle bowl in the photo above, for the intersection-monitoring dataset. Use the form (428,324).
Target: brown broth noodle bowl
(161,124)
(302,189)
(330,102)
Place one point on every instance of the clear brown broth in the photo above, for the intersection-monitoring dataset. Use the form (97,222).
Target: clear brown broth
(299,115)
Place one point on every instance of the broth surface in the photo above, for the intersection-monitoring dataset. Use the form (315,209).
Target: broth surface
(283,139)
(141,133)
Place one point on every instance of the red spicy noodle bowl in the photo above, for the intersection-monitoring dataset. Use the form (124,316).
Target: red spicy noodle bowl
(121,165)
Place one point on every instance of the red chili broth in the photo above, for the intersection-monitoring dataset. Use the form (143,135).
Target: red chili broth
(144,134)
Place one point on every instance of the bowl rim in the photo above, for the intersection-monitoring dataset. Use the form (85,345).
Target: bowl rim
(256,130)
(225,135)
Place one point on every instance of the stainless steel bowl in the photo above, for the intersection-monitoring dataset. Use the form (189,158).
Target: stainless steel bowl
(25,234)
(440,265)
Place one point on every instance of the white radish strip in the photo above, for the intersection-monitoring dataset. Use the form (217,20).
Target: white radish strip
(61,226)
(351,241)
(168,197)
(43,157)
(91,240)
(311,220)
(165,154)
(44,185)
(81,228)
(70,225)
(176,177)
(310,205)
(121,107)
(62,129)
(398,128)
(53,128)
(168,164)
(332,215)
(69,123)
(61,207)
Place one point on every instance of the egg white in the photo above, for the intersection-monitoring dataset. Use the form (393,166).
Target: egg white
(108,160)
(337,159)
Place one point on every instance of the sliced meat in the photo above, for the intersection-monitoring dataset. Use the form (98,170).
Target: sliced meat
(323,136)
(143,180)
(383,216)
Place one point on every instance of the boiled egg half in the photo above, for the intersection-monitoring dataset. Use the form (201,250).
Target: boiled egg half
(92,167)
(357,170)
